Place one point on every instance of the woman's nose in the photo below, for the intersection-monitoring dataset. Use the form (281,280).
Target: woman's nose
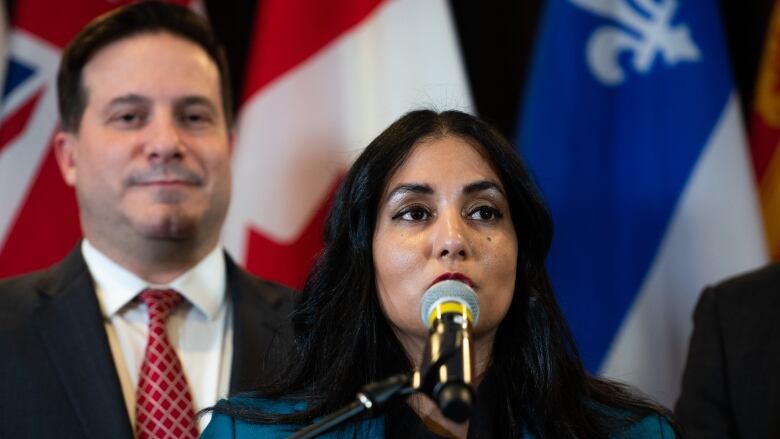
(450,239)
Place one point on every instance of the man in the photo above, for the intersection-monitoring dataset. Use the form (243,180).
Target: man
(731,384)
(147,321)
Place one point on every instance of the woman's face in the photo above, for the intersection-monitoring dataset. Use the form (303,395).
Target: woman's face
(443,212)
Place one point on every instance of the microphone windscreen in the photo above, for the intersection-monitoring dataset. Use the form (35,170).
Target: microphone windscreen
(448,291)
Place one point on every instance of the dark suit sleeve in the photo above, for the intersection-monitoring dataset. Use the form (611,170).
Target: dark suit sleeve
(704,407)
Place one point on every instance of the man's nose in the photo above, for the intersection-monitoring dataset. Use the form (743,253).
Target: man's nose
(165,141)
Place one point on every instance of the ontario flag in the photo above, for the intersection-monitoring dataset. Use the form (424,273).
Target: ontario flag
(765,133)
(633,128)
(38,219)
(324,79)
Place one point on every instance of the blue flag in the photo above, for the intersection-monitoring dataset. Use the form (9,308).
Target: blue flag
(624,100)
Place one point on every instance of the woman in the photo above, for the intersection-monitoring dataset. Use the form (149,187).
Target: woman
(438,196)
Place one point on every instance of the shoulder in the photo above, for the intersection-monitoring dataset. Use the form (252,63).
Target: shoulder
(19,298)
(754,286)
(258,301)
(224,426)
(627,423)
(259,305)
(18,291)
(743,300)
(652,426)
(20,295)
(246,286)
(259,404)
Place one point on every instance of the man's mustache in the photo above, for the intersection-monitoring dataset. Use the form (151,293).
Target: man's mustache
(164,173)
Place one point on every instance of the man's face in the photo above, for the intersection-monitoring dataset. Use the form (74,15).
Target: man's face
(151,158)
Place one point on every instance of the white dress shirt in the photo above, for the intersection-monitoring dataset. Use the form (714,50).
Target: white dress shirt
(200,328)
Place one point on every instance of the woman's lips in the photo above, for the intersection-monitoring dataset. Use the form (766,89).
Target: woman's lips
(454,276)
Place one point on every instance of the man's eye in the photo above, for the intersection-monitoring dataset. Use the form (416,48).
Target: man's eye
(128,119)
(485,213)
(413,214)
(196,119)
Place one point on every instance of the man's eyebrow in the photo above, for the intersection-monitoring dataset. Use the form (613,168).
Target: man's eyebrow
(415,188)
(195,100)
(129,99)
(483,185)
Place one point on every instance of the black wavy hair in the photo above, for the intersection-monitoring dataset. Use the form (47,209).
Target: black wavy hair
(345,341)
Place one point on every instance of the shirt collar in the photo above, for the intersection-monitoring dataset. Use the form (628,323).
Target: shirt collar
(203,285)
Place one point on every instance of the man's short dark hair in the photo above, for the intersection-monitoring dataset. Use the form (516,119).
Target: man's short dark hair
(131,20)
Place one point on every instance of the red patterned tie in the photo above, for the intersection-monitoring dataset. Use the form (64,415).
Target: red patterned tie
(163,407)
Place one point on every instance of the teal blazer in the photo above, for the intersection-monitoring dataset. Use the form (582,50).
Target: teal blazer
(226,427)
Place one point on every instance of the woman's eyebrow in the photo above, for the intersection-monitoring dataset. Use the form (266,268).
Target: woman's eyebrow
(483,185)
(416,188)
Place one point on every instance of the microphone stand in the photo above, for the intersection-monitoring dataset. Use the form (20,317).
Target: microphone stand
(374,397)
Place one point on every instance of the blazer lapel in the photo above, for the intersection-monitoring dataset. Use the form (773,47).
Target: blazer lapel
(70,324)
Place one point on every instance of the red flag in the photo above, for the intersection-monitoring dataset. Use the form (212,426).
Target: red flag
(323,79)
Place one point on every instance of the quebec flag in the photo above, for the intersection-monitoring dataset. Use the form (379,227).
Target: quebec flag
(632,129)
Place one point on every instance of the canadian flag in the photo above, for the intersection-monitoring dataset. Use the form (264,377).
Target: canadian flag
(324,79)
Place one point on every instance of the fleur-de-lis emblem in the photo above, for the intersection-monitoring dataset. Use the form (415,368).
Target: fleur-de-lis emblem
(646,31)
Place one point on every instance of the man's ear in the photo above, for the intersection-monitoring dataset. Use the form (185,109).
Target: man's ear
(66,154)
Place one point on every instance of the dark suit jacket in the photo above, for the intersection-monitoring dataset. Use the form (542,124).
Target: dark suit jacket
(57,375)
(731,384)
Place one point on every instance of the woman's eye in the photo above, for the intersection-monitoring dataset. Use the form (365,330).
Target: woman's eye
(485,213)
(413,214)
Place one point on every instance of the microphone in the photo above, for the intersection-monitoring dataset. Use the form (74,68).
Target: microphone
(449,309)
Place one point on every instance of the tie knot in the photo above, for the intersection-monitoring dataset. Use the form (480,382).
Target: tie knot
(160,302)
